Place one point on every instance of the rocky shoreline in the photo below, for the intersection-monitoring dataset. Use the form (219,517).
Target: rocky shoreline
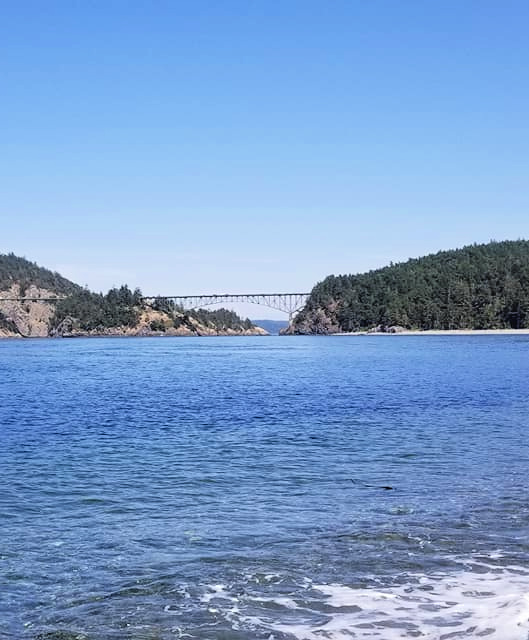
(35,319)
(126,332)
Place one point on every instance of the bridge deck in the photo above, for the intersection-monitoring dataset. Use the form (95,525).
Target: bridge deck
(289,303)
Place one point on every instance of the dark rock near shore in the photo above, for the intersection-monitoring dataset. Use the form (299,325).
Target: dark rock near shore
(68,328)
(61,634)
(383,329)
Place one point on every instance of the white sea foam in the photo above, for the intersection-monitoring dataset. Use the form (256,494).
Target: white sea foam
(217,591)
(477,602)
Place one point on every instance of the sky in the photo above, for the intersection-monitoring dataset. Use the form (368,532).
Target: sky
(225,146)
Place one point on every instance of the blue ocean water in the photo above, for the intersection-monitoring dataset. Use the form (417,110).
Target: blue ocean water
(274,488)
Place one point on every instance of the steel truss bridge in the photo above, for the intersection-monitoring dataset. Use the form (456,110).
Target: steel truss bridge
(289,303)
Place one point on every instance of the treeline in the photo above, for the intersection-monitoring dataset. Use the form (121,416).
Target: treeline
(117,308)
(15,270)
(221,319)
(217,319)
(123,307)
(478,287)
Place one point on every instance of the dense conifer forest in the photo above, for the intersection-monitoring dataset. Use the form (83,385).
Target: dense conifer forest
(478,287)
(15,270)
(117,308)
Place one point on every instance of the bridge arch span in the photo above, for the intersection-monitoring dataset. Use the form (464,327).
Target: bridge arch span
(289,303)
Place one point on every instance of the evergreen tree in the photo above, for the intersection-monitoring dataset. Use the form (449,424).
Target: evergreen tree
(478,287)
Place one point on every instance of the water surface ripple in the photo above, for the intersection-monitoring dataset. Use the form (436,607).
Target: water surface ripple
(236,488)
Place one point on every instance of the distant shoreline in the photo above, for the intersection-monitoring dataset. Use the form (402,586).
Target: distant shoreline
(440,332)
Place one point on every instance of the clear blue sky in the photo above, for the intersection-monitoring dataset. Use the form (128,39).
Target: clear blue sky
(189,147)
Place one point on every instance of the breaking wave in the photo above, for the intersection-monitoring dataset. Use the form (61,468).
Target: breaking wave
(480,601)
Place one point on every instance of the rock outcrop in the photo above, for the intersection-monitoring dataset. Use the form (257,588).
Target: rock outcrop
(35,319)
(26,319)
(36,302)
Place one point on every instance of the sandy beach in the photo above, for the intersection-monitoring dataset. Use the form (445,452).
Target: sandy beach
(442,332)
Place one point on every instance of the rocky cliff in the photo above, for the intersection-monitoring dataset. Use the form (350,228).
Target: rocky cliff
(82,313)
(152,322)
(27,319)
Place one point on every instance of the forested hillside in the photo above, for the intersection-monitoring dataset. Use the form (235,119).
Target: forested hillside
(118,308)
(79,311)
(22,272)
(478,287)
(125,308)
